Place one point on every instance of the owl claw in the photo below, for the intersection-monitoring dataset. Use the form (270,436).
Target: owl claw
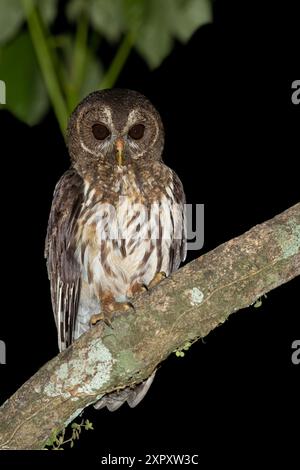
(110,311)
(157,279)
(108,322)
(122,308)
(136,289)
(96,318)
(130,306)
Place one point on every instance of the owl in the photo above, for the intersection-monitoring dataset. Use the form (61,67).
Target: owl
(117,221)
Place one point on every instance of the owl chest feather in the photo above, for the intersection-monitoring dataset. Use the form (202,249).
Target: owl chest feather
(120,237)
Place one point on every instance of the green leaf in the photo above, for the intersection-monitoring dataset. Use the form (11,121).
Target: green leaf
(134,12)
(88,425)
(154,41)
(89,80)
(258,303)
(157,22)
(26,96)
(75,425)
(163,21)
(50,441)
(48,10)
(75,8)
(188,16)
(187,346)
(11,19)
(179,353)
(107,18)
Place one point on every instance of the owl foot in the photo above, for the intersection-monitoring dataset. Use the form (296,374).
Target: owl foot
(157,279)
(99,317)
(137,288)
(109,312)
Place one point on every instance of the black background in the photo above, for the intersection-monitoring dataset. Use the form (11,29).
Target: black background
(232,135)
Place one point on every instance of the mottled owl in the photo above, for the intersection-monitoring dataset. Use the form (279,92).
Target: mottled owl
(117,221)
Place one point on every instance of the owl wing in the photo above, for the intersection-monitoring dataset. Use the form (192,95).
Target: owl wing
(63,269)
(178,246)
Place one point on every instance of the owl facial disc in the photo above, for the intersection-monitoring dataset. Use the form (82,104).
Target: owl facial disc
(114,128)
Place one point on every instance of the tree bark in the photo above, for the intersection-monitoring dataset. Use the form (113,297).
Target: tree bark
(184,307)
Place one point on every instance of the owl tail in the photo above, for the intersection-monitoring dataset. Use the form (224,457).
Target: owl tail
(133,396)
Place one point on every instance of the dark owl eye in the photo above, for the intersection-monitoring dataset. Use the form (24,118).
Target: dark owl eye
(100,131)
(137,131)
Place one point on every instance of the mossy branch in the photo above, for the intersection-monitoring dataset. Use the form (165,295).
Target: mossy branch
(184,307)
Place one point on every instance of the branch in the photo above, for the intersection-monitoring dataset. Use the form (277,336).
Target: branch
(184,307)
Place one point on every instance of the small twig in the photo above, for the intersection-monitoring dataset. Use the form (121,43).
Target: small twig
(118,62)
(79,62)
(43,53)
(57,439)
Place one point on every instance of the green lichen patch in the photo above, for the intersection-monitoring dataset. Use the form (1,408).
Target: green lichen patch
(126,361)
(82,375)
(289,240)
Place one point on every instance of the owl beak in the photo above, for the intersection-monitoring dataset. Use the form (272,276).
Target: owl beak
(120,152)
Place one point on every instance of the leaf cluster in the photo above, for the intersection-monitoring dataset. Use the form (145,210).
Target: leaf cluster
(58,438)
(44,65)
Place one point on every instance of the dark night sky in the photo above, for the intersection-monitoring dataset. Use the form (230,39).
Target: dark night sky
(232,135)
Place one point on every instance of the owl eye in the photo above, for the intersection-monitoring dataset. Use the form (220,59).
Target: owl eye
(137,131)
(100,131)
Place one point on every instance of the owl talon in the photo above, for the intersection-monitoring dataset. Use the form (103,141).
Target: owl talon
(96,318)
(157,279)
(122,308)
(130,306)
(136,289)
(110,311)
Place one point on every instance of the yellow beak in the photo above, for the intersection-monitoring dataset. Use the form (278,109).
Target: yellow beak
(120,152)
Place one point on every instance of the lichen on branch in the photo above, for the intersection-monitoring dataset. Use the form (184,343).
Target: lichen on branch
(184,307)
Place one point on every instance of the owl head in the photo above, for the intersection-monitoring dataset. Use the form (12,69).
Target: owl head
(115,127)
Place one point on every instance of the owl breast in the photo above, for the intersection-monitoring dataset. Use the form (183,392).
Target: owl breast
(122,242)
